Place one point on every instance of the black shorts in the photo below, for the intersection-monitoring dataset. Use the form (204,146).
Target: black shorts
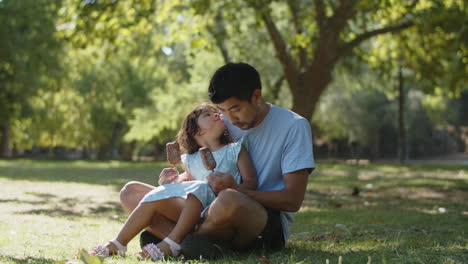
(271,238)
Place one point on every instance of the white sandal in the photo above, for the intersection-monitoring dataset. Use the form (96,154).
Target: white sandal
(156,254)
(103,251)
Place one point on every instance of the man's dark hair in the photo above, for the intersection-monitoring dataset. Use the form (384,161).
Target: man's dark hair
(237,80)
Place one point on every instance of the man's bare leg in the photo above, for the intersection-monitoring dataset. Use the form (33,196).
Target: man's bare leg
(234,217)
(130,197)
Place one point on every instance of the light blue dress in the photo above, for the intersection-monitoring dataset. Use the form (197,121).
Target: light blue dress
(226,161)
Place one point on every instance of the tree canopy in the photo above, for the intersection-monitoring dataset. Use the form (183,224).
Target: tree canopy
(102,73)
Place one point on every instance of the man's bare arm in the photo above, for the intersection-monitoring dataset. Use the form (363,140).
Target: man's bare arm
(247,171)
(288,199)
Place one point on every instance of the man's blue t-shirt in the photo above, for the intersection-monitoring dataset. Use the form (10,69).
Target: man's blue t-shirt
(280,144)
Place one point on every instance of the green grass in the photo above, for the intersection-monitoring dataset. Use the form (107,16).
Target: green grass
(403,214)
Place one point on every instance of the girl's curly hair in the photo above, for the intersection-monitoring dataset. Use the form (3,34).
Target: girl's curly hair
(185,136)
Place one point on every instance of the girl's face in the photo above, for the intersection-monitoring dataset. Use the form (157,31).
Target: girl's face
(210,123)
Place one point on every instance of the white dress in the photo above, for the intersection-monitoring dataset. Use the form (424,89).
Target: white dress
(226,162)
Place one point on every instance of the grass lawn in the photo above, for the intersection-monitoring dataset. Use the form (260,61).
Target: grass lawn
(403,214)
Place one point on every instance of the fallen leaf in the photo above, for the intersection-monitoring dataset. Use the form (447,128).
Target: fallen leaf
(88,259)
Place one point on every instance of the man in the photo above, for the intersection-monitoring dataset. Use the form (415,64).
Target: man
(280,146)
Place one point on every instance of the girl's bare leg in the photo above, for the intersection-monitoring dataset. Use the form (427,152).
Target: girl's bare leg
(142,217)
(130,197)
(189,218)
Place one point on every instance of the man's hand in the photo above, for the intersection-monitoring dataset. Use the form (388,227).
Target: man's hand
(168,175)
(220,181)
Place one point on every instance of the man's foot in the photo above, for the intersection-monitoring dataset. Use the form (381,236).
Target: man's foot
(199,246)
(147,238)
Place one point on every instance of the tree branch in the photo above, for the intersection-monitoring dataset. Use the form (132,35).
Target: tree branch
(277,87)
(282,52)
(218,31)
(326,49)
(343,12)
(320,17)
(294,8)
(346,48)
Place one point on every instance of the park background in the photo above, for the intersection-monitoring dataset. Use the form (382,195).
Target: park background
(91,90)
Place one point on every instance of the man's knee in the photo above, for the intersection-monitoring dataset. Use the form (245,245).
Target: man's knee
(234,216)
(228,205)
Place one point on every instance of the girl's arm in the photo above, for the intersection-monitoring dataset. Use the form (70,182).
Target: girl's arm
(171,175)
(247,171)
(185,176)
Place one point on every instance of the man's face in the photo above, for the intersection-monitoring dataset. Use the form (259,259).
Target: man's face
(243,114)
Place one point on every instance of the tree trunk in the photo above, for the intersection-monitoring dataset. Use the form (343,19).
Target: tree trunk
(5,151)
(86,153)
(307,81)
(159,153)
(15,151)
(127,150)
(218,31)
(50,152)
(310,87)
(116,133)
(102,152)
(402,146)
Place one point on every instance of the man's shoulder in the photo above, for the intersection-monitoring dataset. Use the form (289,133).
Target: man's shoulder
(287,116)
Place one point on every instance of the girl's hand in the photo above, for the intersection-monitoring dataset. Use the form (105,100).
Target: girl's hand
(220,181)
(168,175)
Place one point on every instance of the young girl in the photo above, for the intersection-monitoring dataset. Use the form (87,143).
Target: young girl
(202,127)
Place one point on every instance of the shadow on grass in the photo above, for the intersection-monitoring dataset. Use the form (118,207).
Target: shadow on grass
(109,210)
(112,173)
(390,254)
(402,177)
(27,260)
(401,197)
(410,207)
(54,206)
(401,229)
(20,201)
(414,167)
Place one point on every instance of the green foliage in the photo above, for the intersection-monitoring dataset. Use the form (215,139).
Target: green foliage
(430,36)
(355,108)
(59,119)
(362,109)
(434,49)
(29,51)
(113,87)
(161,121)
(74,72)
